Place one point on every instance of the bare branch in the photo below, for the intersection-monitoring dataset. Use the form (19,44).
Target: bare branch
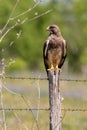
(9,19)
(20,121)
(27,103)
(18,34)
(25,12)
(16,17)
(22,22)
(38,105)
(10,91)
(1,95)
(38,88)
(36,17)
(12,27)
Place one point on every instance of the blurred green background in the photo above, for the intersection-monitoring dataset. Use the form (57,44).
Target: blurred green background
(69,15)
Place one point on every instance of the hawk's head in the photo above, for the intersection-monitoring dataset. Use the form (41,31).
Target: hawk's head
(54,29)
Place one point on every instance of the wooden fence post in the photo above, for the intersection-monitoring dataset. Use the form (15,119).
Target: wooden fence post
(54,101)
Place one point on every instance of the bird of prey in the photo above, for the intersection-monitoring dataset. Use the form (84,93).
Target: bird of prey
(54,50)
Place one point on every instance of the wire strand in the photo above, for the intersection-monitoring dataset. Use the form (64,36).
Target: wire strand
(36,78)
(44,109)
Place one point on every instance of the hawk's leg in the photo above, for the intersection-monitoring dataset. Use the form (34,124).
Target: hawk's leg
(51,68)
(57,68)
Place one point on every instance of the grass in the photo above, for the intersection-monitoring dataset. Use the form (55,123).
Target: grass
(29,94)
(75,120)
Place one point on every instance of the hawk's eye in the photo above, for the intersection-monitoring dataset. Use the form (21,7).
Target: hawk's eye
(51,27)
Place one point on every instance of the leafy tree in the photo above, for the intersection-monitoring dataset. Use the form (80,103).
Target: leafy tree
(71,17)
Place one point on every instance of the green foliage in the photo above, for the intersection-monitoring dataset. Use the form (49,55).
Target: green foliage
(18,65)
(69,15)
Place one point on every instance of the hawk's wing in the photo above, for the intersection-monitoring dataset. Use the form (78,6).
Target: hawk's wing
(45,50)
(64,53)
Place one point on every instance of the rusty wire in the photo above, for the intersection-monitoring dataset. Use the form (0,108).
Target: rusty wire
(36,78)
(44,109)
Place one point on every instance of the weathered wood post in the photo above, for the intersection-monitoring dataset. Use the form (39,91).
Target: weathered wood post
(54,101)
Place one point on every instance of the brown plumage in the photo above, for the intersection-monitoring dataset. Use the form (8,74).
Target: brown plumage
(55,49)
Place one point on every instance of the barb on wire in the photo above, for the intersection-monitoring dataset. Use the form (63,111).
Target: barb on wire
(75,109)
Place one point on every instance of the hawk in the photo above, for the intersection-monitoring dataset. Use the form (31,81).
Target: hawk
(54,50)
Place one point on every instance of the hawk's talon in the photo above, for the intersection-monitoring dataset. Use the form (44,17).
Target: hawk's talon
(52,68)
(58,68)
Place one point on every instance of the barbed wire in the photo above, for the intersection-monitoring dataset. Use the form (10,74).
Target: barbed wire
(43,109)
(41,78)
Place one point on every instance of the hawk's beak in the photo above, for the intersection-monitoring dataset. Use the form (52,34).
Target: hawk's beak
(47,29)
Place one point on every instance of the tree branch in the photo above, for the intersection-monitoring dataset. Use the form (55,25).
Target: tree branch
(22,22)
